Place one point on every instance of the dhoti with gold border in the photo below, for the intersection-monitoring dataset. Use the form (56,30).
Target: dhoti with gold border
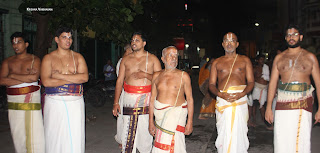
(64,119)
(135,133)
(231,123)
(25,118)
(170,123)
(293,118)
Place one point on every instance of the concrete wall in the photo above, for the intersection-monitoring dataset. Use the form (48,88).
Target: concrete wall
(12,22)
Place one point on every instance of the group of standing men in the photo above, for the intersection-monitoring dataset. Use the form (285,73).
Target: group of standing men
(161,94)
(144,91)
(156,102)
(61,127)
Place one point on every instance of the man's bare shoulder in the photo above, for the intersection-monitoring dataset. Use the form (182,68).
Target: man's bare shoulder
(244,57)
(49,56)
(309,54)
(152,57)
(155,75)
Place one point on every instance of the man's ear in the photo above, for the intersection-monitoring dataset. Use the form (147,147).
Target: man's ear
(301,37)
(56,39)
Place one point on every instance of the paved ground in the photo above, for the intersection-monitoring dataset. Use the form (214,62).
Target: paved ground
(101,128)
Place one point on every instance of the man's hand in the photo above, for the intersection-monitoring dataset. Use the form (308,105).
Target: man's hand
(152,129)
(116,109)
(139,75)
(188,129)
(32,71)
(231,97)
(269,116)
(317,117)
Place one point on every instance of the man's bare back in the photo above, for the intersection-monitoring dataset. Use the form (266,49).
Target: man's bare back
(168,84)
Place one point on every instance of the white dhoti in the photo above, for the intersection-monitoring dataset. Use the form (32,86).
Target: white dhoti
(135,134)
(25,118)
(117,137)
(170,123)
(293,119)
(259,93)
(231,124)
(64,124)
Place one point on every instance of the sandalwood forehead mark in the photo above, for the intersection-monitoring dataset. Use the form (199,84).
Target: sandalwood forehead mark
(68,35)
(15,40)
(229,36)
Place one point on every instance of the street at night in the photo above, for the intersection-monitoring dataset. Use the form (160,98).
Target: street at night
(101,128)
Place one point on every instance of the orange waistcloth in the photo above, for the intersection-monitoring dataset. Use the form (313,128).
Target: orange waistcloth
(203,74)
(136,89)
(22,90)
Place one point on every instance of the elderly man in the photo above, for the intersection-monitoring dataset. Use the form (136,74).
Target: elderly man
(293,114)
(234,75)
(169,106)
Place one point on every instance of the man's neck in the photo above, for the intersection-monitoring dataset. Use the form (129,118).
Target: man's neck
(231,54)
(169,70)
(139,52)
(63,51)
(294,50)
(22,55)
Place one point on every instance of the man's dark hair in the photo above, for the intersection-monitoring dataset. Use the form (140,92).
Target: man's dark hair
(295,26)
(143,36)
(260,56)
(61,30)
(18,34)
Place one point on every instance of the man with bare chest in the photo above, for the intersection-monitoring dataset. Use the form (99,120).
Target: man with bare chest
(62,73)
(293,114)
(20,73)
(169,106)
(135,75)
(234,75)
(259,93)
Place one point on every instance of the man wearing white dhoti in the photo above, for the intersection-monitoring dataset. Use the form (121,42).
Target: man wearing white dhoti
(135,74)
(117,137)
(293,114)
(20,73)
(62,73)
(259,92)
(168,106)
(234,75)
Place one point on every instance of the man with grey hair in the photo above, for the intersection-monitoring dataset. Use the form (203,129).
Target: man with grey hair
(169,106)
(234,75)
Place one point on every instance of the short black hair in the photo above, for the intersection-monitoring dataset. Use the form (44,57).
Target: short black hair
(260,56)
(295,26)
(18,34)
(143,36)
(61,30)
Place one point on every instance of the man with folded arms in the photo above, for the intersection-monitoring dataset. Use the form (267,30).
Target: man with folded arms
(20,73)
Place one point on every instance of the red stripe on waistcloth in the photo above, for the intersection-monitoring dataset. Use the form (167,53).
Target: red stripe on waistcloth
(181,128)
(22,90)
(169,147)
(136,89)
(170,106)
